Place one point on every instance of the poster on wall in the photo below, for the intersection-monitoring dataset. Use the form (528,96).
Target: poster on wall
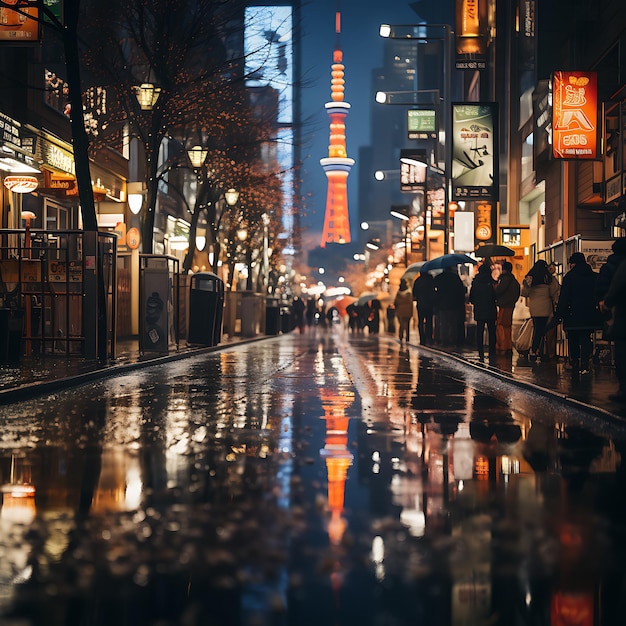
(19,25)
(474,151)
(574,115)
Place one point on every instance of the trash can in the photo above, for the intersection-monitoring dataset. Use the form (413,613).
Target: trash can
(206,306)
(285,319)
(272,316)
(11,331)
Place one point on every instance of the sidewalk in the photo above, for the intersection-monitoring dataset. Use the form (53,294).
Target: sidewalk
(590,392)
(51,373)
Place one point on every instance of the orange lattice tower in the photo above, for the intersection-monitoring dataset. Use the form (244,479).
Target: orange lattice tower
(337,165)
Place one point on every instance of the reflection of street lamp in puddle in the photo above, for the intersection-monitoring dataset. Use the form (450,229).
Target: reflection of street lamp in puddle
(18,495)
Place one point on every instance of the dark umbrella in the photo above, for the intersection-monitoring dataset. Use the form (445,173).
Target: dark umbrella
(492,249)
(413,269)
(446,260)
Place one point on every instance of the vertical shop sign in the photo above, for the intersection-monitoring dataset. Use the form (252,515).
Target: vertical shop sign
(574,115)
(471,45)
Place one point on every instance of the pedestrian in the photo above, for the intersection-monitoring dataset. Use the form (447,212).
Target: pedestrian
(353,317)
(403,304)
(541,294)
(615,302)
(449,306)
(483,298)
(549,339)
(507,292)
(297,309)
(424,296)
(311,310)
(577,309)
(373,316)
(608,269)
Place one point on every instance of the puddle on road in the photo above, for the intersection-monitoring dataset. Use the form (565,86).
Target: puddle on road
(308,483)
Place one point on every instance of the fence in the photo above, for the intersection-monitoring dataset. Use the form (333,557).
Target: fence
(45,276)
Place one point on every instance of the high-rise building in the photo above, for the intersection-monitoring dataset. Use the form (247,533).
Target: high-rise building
(337,165)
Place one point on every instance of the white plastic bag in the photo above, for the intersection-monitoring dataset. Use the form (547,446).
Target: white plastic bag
(524,338)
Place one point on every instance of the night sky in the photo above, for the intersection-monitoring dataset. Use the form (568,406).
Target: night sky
(362,52)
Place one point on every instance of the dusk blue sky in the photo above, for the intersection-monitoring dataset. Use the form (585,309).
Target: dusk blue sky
(362,52)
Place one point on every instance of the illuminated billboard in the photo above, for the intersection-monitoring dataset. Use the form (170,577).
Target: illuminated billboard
(474,151)
(574,115)
(21,25)
(470,42)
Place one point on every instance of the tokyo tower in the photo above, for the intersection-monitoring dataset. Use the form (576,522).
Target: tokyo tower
(337,165)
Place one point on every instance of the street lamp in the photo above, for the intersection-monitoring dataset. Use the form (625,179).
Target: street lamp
(402,213)
(231,196)
(147,95)
(135,192)
(422,33)
(381,175)
(197,156)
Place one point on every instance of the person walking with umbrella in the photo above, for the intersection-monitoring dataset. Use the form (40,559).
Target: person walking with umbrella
(483,297)
(577,308)
(424,296)
(449,306)
(403,304)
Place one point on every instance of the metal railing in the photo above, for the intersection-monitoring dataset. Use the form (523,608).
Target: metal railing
(42,275)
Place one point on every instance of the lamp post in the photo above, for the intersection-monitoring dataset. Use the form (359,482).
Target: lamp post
(422,33)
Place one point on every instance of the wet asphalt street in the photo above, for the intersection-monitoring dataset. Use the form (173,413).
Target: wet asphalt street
(310,479)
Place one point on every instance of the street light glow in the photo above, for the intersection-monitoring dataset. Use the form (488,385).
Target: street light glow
(381,97)
(400,216)
(384,30)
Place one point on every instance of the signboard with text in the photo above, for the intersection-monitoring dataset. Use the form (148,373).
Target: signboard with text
(19,25)
(475,151)
(422,123)
(470,41)
(574,115)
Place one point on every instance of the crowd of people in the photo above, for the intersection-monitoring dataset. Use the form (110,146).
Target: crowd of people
(584,303)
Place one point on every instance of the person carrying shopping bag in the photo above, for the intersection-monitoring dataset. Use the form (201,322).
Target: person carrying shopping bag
(542,294)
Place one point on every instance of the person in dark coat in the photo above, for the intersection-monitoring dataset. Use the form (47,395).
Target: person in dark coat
(578,311)
(424,296)
(449,306)
(298,308)
(608,270)
(483,297)
(615,302)
(507,291)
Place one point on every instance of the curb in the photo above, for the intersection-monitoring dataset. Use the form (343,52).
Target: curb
(28,390)
(550,393)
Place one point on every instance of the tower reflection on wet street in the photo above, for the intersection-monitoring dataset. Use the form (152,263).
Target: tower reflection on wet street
(322,478)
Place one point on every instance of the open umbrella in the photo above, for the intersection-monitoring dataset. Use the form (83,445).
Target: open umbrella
(411,271)
(368,296)
(340,303)
(446,260)
(492,249)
